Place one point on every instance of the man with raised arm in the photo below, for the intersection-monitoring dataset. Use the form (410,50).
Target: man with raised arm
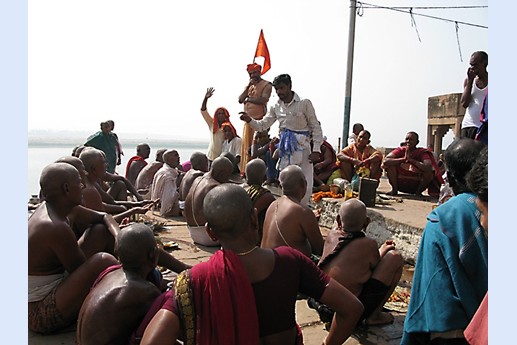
(475,89)
(214,123)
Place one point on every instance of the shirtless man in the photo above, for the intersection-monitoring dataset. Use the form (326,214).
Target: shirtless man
(60,276)
(95,163)
(199,163)
(290,223)
(261,197)
(101,226)
(356,262)
(220,172)
(146,175)
(122,294)
(92,200)
(137,163)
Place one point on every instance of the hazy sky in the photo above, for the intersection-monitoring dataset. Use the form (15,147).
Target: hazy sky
(147,65)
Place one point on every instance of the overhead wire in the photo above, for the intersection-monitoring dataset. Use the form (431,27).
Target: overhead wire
(360,7)
(410,11)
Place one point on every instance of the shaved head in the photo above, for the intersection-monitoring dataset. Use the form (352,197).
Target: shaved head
(255,171)
(77,150)
(227,210)
(199,161)
(143,150)
(89,156)
(74,161)
(135,245)
(53,178)
(353,215)
(159,155)
(221,169)
(291,178)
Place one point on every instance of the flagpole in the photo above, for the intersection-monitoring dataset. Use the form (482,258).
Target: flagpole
(349,67)
(254,56)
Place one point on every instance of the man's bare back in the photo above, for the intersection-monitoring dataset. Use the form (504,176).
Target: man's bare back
(352,276)
(356,262)
(187,181)
(220,172)
(124,301)
(50,236)
(122,295)
(146,175)
(288,223)
(194,202)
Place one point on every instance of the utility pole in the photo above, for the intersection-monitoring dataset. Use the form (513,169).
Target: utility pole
(349,67)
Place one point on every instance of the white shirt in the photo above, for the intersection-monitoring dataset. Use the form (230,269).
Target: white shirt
(234,146)
(216,139)
(473,111)
(299,115)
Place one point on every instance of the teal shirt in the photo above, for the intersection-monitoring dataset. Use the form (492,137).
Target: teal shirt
(106,143)
(451,272)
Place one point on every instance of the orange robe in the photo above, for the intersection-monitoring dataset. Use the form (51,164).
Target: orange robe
(255,111)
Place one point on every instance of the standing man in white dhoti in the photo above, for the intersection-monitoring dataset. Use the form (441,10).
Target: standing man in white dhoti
(298,123)
(165,184)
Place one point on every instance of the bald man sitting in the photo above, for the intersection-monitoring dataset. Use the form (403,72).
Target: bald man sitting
(219,173)
(137,163)
(91,193)
(123,293)
(289,222)
(199,162)
(357,263)
(95,164)
(60,275)
(165,184)
(261,197)
(101,226)
(145,177)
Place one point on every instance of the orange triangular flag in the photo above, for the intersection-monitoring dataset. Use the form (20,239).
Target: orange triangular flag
(264,52)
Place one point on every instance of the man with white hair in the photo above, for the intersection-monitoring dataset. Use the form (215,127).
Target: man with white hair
(165,184)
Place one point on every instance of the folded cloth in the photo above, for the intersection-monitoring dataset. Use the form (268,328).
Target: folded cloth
(41,286)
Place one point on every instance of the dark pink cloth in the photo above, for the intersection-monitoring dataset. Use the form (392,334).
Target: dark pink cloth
(477,330)
(225,305)
(275,296)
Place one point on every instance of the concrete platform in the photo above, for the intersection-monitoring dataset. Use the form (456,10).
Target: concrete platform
(402,218)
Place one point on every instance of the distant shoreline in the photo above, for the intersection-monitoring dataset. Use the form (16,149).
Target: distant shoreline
(46,138)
